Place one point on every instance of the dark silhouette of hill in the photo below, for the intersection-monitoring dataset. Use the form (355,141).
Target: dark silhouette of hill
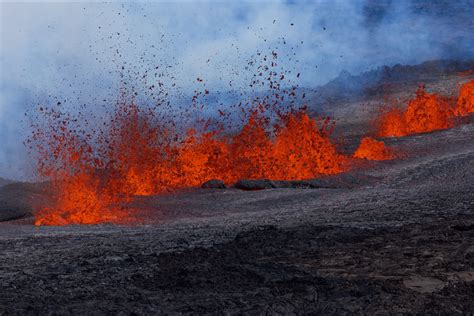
(380,81)
(4,182)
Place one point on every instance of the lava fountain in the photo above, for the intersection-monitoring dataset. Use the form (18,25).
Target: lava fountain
(372,149)
(426,112)
(95,176)
(465,103)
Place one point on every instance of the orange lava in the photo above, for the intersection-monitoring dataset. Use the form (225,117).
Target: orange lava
(80,201)
(67,161)
(425,113)
(95,174)
(372,149)
(137,156)
(149,160)
(465,102)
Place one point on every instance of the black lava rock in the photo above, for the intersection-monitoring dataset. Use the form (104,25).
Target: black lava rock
(213,184)
(259,184)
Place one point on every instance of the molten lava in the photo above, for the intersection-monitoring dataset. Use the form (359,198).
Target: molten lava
(95,173)
(465,103)
(80,201)
(372,149)
(425,113)
(93,177)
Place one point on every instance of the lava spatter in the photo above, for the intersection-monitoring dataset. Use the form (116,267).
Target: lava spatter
(135,155)
(372,149)
(465,102)
(426,112)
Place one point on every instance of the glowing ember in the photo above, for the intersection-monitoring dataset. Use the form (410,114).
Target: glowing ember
(465,103)
(425,113)
(373,149)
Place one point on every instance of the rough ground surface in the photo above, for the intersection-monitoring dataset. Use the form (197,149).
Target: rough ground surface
(391,237)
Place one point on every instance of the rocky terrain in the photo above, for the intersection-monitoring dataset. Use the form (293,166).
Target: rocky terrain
(20,199)
(4,182)
(394,237)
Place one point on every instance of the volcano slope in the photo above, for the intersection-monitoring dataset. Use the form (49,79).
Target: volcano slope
(390,237)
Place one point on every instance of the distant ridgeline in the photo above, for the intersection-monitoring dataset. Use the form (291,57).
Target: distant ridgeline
(4,181)
(380,81)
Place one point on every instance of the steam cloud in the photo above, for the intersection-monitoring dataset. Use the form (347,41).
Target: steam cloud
(74,51)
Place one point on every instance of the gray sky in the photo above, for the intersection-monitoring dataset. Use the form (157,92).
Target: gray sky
(75,51)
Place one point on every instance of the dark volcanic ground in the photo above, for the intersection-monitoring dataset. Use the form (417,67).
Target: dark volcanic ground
(392,237)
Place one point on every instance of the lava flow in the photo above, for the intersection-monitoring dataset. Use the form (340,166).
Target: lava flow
(427,112)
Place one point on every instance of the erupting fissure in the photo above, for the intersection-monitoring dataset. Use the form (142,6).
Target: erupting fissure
(95,174)
(426,112)
(135,156)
